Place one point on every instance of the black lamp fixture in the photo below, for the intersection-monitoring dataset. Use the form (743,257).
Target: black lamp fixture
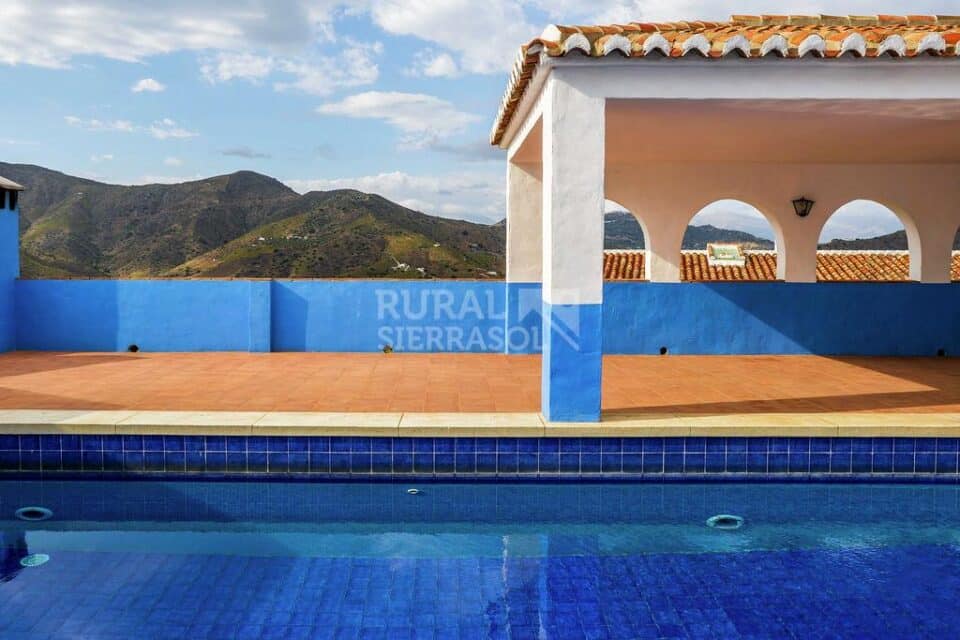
(803,206)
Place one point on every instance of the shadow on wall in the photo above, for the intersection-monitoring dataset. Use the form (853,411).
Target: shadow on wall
(906,319)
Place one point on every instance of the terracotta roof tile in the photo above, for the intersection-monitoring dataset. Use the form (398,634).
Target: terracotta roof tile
(748,36)
(832,266)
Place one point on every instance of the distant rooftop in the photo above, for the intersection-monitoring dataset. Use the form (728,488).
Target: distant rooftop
(743,36)
(10,185)
(832,266)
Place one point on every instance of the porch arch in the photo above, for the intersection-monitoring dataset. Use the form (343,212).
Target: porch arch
(738,217)
(883,260)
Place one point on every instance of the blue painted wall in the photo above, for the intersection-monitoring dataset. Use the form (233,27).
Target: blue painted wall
(156,315)
(864,318)
(9,271)
(436,316)
(366,315)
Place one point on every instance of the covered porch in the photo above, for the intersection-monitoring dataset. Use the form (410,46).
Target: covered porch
(666,119)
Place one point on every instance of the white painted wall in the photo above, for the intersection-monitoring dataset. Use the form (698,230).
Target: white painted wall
(524,223)
(665,197)
(573,194)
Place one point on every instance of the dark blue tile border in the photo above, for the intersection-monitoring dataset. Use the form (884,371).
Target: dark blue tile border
(362,458)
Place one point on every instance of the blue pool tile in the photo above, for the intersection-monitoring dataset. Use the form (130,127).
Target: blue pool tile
(841,462)
(861,445)
(423,462)
(841,445)
(340,445)
(948,445)
(379,463)
(175,461)
(778,463)
(611,462)
(779,445)
(361,463)
(882,462)
(257,462)
(800,445)
(946,462)
(403,463)
(715,462)
(549,463)
(674,445)
(50,460)
(632,463)
(297,445)
(172,443)
(528,463)
(925,462)
(92,460)
(91,443)
(9,460)
(194,461)
(611,445)
(236,461)
(112,461)
(444,463)
(758,445)
(672,462)
(486,445)
(258,444)
(132,460)
(862,462)
(694,462)
(190,443)
(819,445)
(736,445)
(590,445)
(216,461)
(319,444)
(278,444)
(507,462)
(50,443)
(653,462)
(403,445)
(153,461)
(819,463)
(590,463)
(132,443)
(570,445)
(926,445)
(695,445)
(319,462)
(339,462)
(153,443)
(69,442)
(883,445)
(569,462)
(716,445)
(465,463)
(71,461)
(30,460)
(904,445)
(650,445)
(381,445)
(736,462)
(361,445)
(423,445)
(486,463)
(9,443)
(30,443)
(903,462)
(299,462)
(465,445)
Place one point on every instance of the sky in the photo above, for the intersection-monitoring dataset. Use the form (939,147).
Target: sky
(388,96)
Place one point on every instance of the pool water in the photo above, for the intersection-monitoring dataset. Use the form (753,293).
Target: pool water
(315,560)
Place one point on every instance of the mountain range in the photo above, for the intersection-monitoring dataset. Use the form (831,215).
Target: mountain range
(249,225)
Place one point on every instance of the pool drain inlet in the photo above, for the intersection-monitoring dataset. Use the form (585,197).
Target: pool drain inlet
(725,522)
(33,514)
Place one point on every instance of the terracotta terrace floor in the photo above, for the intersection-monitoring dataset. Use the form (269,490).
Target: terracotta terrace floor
(712,385)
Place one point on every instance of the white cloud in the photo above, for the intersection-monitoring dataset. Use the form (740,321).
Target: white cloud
(172,162)
(149,85)
(167,128)
(93,124)
(355,65)
(105,157)
(736,215)
(477,196)
(422,119)
(485,37)
(160,129)
(434,64)
(228,65)
(132,31)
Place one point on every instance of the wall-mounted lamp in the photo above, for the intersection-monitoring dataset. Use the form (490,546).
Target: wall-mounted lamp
(803,206)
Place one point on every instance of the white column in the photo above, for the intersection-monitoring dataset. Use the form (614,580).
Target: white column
(524,223)
(931,249)
(573,203)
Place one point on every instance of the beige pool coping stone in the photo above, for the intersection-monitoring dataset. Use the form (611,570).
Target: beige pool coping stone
(284,423)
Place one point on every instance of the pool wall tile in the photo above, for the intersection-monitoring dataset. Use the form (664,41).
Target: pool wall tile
(345,457)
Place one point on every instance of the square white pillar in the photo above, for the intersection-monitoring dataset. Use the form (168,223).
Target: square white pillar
(573,203)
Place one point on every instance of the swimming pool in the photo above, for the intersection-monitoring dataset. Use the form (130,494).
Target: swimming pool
(370,560)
